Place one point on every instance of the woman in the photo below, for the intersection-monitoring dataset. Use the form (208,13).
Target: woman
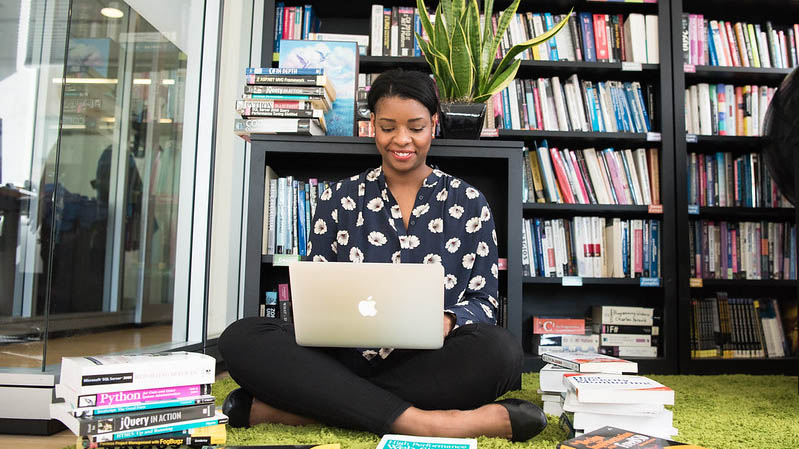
(401,212)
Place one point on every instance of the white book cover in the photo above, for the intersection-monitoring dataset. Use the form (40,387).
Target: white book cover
(538,28)
(643,174)
(637,316)
(389,441)
(618,389)
(563,43)
(597,179)
(582,114)
(608,110)
(661,423)
(550,378)
(689,112)
(703,98)
(652,47)
(634,181)
(513,99)
(586,362)
(636,351)
(377,30)
(625,340)
(132,372)
(571,404)
(560,104)
(554,408)
(695,115)
(729,92)
(635,38)
(571,105)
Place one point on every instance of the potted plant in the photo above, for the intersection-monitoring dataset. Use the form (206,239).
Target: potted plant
(461,58)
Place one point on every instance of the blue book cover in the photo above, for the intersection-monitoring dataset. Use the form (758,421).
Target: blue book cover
(280,241)
(629,95)
(722,111)
(301,229)
(623,108)
(553,46)
(168,428)
(283,71)
(506,109)
(642,105)
(594,92)
(587,24)
(417,27)
(309,201)
(539,254)
(654,270)
(646,243)
(279,6)
(721,176)
(711,47)
(307,20)
(596,122)
(340,63)
(625,248)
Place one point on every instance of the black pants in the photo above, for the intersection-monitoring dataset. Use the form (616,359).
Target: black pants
(338,386)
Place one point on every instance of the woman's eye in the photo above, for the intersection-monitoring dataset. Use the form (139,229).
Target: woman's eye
(387,130)
(417,130)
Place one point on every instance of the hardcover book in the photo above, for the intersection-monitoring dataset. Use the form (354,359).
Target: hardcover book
(340,63)
(612,437)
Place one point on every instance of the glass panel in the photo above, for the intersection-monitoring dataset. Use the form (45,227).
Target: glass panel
(88,219)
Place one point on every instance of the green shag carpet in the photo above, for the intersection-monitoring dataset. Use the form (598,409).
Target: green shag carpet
(717,412)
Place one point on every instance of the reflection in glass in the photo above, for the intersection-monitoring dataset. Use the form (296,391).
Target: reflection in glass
(88,236)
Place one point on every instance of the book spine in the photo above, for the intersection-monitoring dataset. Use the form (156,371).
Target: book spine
(165,428)
(132,421)
(283,71)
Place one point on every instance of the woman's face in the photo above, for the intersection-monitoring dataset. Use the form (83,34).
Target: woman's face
(403,131)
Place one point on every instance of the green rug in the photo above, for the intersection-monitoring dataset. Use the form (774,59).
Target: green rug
(717,412)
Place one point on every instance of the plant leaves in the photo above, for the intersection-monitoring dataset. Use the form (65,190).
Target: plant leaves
(488,57)
(461,59)
(425,19)
(449,20)
(473,37)
(499,81)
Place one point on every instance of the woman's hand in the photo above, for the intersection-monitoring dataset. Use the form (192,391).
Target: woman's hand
(449,323)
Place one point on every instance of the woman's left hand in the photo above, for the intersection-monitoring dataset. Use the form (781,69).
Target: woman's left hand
(449,323)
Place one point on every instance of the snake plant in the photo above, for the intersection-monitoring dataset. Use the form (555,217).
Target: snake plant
(461,57)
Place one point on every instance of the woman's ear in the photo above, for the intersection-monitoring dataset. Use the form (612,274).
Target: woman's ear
(434,121)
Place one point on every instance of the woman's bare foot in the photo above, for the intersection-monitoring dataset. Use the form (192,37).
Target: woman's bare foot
(261,412)
(490,420)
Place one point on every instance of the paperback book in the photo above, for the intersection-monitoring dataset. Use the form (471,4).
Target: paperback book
(586,362)
(390,441)
(618,389)
(612,437)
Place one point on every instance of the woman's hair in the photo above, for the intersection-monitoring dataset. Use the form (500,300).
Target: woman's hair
(404,84)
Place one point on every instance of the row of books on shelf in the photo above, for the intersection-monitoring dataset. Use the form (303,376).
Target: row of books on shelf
(740,44)
(742,250)
(142,400)
(592,391)
(726,110)
(627,177)
(725,327)
(284,101)
(551,105)
(588,37)
(725,180)
(596,247)
(619,331)
(289,205)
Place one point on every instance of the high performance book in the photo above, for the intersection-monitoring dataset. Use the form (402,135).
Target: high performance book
(86,375)
(617,389)
(615,438)
(390,441)
(103,424)
(589,362)
(115,398)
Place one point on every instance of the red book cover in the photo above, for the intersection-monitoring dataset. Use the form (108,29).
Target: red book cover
(578,176)
(722,102)
(560,173)
(622,45)
(600,38)
(283,292)
(739,111)
(287,21)
(566,326)
(731,37)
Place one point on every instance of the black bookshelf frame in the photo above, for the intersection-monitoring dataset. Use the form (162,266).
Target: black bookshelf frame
(506,197)
(684,75)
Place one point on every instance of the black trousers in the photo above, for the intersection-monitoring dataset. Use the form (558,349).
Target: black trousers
(338,386)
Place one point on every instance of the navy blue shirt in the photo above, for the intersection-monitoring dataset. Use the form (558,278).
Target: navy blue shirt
(358,220)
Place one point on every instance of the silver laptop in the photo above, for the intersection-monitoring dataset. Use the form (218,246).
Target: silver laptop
(368,305)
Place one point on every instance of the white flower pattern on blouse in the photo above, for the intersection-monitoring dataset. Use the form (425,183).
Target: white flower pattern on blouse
(450,224)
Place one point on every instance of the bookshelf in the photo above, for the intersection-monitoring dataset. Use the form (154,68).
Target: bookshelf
(780,13)
(529,296)
(490,167)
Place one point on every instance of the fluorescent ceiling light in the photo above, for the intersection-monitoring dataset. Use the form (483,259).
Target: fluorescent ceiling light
(86,80)
(112,13)
(141,81)
(168,82)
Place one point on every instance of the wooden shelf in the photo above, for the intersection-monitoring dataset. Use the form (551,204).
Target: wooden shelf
(553,209)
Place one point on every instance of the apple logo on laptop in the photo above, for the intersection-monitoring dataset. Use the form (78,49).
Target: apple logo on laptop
(367,307)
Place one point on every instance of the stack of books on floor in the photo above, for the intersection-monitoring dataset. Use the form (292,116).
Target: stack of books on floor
(140,401)
(284,101)
(598,393)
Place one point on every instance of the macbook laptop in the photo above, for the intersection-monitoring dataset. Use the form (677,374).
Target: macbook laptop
(368,305)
